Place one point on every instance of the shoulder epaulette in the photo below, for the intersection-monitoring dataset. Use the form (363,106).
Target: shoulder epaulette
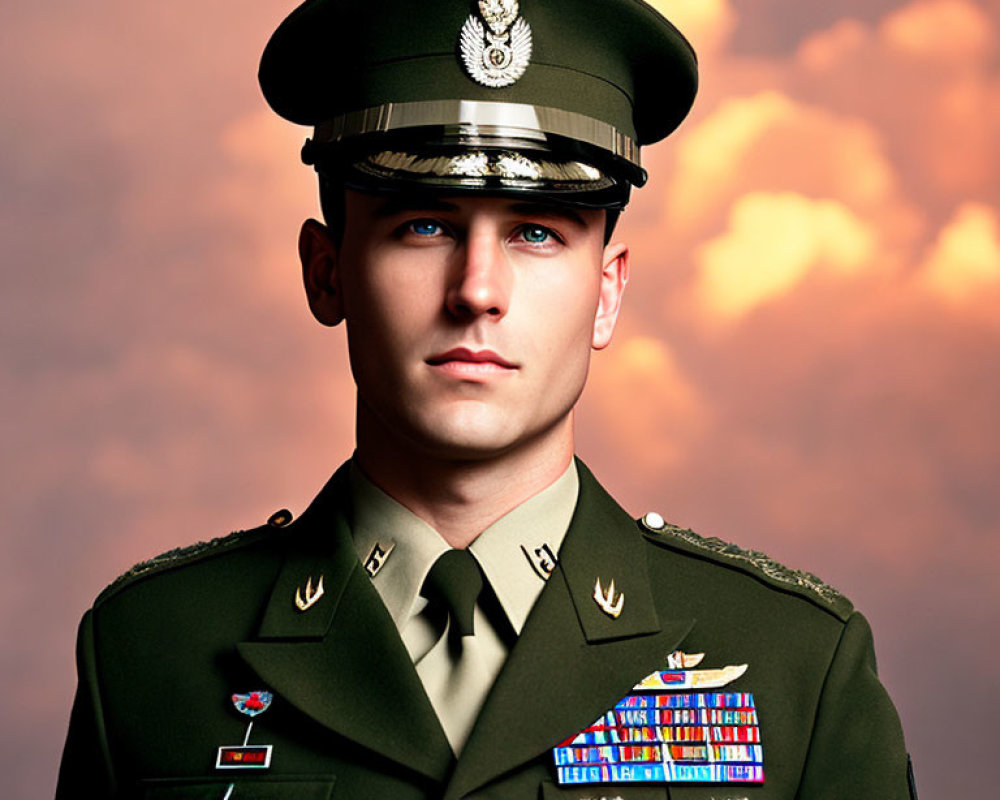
(174,558)
(189,553)
(750,560)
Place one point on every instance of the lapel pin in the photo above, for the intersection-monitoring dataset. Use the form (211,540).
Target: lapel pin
(247,756)
(607,601)
(312,595)
(377,557)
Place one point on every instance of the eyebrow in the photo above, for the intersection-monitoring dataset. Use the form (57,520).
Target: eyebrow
(408,203)
(549,210)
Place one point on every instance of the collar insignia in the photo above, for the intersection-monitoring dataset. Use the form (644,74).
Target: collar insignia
(312,595)
(607,601)
(499,56)
(377,557)
(542,560)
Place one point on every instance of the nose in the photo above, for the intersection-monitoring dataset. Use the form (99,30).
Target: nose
(483,279)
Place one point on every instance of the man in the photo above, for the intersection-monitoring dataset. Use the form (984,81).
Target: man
(463,611)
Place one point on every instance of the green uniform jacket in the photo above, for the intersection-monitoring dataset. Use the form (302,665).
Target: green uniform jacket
(166,646)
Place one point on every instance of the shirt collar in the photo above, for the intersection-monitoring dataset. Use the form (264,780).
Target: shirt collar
(396,547)
(517,552)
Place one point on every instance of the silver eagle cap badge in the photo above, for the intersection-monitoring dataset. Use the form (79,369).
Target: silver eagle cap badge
(499,56)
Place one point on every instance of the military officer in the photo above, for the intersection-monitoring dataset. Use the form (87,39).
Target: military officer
(463,611)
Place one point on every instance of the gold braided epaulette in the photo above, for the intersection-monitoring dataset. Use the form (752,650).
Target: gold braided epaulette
(755,558)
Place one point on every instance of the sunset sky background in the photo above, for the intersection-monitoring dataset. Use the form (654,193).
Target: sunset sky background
(809,362)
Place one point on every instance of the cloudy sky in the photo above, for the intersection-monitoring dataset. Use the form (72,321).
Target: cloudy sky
(809,362)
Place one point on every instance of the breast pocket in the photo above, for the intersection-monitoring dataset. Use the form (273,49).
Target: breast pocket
(257,788)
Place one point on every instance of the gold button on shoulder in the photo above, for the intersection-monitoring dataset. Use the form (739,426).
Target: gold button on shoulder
(279,519)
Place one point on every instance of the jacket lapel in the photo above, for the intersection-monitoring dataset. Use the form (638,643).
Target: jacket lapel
(341,661)
(573,661)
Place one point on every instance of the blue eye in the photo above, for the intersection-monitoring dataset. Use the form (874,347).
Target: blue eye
(425,227)
(535,234)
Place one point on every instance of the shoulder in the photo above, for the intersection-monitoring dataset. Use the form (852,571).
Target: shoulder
(206,553)
(753,564)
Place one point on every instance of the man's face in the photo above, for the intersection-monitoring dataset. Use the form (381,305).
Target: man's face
(470,320)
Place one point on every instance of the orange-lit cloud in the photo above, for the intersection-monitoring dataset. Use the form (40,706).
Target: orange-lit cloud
(707,24)
(648,408)
(770,141)
(772,244)
(965,258)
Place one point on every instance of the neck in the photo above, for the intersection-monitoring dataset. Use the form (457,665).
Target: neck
(460,495)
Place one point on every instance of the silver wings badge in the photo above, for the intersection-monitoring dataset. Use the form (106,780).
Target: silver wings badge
(499,56)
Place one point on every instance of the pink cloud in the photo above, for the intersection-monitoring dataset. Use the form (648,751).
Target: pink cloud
(948,30)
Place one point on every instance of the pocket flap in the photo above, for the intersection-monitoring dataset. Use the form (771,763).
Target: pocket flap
(551,791)
(255,788)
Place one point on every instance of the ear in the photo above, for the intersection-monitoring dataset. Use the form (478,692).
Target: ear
(614,277)
(321,272)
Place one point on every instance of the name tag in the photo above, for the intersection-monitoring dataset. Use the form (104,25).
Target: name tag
(248,757)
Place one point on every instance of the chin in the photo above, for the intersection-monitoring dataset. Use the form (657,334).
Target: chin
(466,445)
(479,437)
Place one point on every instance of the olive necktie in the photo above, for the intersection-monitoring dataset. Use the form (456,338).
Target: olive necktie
(453,585)
(451,671)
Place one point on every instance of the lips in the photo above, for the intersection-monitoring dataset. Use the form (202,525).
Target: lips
(465,355)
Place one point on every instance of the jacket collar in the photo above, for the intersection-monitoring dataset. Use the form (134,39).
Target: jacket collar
(341,661)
